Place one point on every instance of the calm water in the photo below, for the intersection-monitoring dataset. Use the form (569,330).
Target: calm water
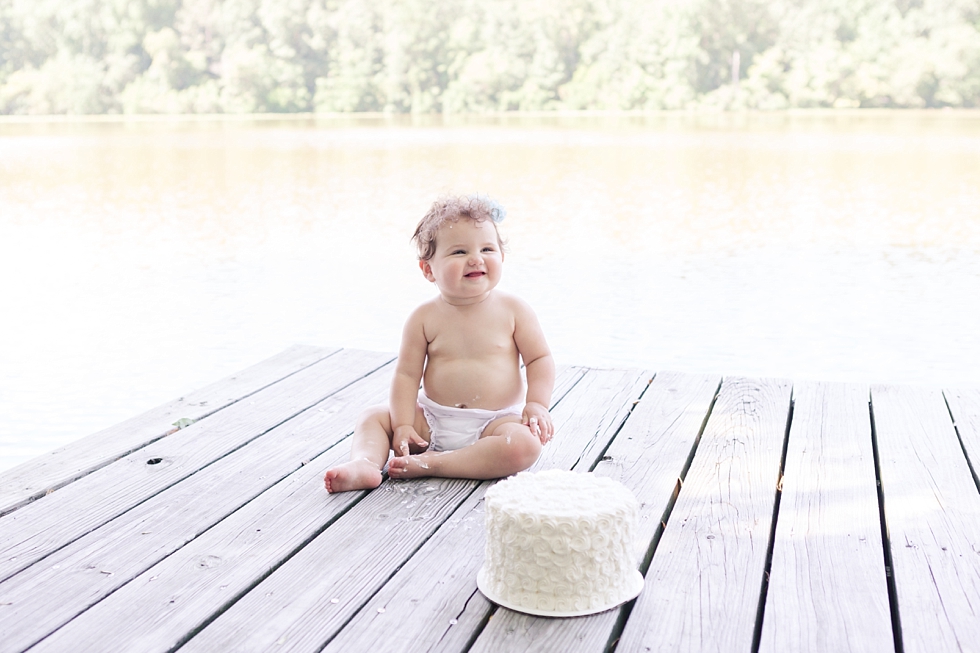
(140,260)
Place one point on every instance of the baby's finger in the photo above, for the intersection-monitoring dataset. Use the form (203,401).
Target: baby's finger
(545,434)
(533,425)
(403,447)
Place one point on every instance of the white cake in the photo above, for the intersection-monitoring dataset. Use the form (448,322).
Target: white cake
(560,544)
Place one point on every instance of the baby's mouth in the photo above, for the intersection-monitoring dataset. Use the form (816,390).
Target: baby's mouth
(473,275)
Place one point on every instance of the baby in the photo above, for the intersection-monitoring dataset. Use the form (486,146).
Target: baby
(472,418)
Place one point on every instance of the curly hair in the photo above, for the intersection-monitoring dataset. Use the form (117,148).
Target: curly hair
(451,209)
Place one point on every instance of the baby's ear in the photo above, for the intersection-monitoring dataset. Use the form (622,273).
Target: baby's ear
(426,270)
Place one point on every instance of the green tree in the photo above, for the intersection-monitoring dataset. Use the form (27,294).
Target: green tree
(240,56)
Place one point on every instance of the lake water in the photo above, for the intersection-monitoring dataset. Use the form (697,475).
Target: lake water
(142,259)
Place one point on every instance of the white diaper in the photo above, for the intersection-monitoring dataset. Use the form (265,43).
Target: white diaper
(454,428)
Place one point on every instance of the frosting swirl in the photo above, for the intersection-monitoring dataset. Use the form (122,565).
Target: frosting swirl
(560,542)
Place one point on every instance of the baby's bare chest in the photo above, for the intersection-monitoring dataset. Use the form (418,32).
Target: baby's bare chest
(479,336)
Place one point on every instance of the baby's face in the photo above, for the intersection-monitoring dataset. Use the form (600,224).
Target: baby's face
(467,263)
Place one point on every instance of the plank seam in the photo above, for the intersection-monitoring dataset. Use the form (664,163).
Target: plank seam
(885,538)
(627,609)
(477,631)
(480,627)
(584,373)
(396,568)
(959,437)
(153,563)
(764,589)
(602,454)
(85,472)
(195,471)
(233,600)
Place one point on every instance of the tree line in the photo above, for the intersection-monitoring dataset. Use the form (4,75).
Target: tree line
(450,56)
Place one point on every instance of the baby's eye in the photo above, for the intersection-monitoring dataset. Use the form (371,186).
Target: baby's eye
(459,251)
(489,249)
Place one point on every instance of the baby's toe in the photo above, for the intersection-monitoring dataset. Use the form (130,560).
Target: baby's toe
(396,466)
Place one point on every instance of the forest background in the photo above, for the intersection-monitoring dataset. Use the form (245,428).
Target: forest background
(448,56)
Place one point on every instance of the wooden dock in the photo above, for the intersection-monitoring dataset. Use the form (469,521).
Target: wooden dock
(775,516)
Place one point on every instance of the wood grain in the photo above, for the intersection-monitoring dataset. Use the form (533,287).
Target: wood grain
(48,472)
(161,607)
(703,587)
(964,406)
(46,595)
(45,525)
(443,611)
(231,543)
(376,539)
(827,585)
(292,609)
(238,552)
(648,456)
(932,510)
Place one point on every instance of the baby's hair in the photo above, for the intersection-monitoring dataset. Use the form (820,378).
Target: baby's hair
(451,209)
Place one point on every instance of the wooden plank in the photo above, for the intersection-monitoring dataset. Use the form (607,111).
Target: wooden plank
(48,472)
(45,525)
(932,510)
(185,591)
(648,456)
(158,609)
(47,595)
(446,609)
(292,609)
(964,406)
(827,585)
(703,587)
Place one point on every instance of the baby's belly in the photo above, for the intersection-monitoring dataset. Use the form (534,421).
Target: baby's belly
(490,384)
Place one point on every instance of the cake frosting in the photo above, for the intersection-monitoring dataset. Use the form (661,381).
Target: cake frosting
(560,543)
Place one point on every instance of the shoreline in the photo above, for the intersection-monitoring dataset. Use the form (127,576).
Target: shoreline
(430,119)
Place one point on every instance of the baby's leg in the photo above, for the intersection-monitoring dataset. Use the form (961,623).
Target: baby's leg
(506,447)
(368,454)
(369,451)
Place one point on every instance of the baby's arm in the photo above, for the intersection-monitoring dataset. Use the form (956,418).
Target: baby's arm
(540,368)
(404,394)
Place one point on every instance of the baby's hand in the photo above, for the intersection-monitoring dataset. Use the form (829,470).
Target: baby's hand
(537,418)
(403,439)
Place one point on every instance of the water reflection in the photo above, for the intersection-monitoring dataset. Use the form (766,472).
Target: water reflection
(142,259)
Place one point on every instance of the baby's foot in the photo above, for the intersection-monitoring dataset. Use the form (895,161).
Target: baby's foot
(359,474)
(409,466)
